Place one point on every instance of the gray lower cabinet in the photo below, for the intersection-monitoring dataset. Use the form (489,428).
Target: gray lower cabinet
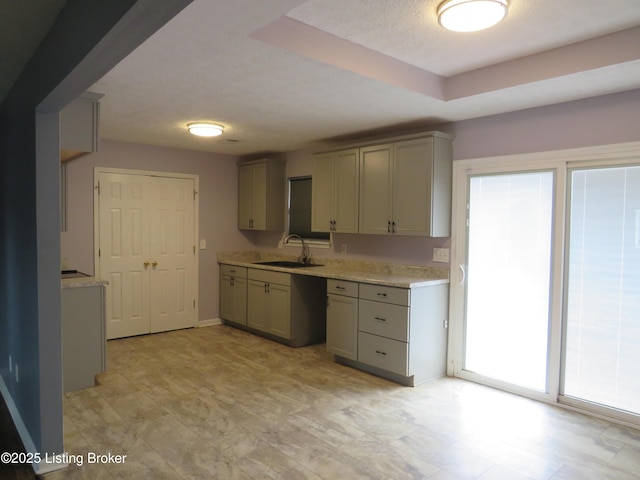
(401,332)
(83,336)
(342,318)
(233,294)
(284,307)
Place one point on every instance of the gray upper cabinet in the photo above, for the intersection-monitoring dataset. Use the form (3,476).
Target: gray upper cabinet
(405,187)
(335,192)
(261,194)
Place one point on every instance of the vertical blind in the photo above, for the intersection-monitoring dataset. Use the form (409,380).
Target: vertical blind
(602,357)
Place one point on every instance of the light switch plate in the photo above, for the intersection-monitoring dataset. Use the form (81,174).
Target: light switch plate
(441,255)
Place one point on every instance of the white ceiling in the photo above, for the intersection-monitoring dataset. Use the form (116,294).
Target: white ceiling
(288,74)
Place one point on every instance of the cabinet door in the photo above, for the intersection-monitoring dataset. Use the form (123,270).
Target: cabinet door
(342,326)
(412,180)
(227,300)
(245,196)
(240,300)
(322,192)
(259,197)
(375,189)
(257,305)
(345,191)
(279,310)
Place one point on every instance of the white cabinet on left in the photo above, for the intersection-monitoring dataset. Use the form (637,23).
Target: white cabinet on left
(79,126)
(84,343)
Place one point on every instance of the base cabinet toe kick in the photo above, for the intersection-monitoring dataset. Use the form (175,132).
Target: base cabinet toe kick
(396,333)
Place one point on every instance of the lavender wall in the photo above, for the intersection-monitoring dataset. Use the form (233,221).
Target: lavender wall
(217,203)
(603,120)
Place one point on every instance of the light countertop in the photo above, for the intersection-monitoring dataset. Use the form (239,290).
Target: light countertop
(82,282)
(404,276)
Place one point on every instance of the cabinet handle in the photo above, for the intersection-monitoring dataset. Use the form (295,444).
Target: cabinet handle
(388,226)
(154,263)
(380,352)
(380,319)
(146,264)
(393,227)
(381,294)
(232,282)
(338,287)
(232,271)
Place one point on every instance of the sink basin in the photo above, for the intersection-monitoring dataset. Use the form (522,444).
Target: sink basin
(286,264)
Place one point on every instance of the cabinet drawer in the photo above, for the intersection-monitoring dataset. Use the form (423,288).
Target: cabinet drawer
(384,319)
(380,293)
(384,353)
(342,287)
(268,276)
(233,271)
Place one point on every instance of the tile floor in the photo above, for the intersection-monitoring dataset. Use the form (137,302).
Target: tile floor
(219,403)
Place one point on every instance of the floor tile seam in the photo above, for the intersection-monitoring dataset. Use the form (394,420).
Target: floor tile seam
(328,446)
(298,464)
(526,453)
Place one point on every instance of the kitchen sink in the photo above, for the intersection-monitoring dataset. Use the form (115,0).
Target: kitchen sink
(286,264)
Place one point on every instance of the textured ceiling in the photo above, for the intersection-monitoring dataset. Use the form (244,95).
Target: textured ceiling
(288,74)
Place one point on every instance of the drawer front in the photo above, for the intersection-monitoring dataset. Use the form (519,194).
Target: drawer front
(268,276)
(342,287)
(384,353)
(233,271)
(384,319)
(380,293)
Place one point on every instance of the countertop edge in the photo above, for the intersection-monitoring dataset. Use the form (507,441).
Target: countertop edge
(391,280)
(82,282)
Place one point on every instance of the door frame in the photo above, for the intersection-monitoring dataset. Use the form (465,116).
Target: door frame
(560,161)
(97,171)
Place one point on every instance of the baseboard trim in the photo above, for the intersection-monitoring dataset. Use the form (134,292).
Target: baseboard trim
(210,322)
(23,433)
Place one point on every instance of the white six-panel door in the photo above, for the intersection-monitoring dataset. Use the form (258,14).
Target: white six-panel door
(146,248)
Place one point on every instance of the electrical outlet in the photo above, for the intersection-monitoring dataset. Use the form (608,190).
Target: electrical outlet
(203,244)
(441,255)
(343,248)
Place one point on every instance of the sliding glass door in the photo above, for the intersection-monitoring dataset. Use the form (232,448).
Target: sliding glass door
(545,293)
(602,329)
(509,245)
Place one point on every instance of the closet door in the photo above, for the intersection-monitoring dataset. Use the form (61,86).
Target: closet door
(123,252)
(172,254)
(147,253)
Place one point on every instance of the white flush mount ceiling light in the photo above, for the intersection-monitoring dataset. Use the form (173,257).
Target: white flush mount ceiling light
(471,15)
(205,129)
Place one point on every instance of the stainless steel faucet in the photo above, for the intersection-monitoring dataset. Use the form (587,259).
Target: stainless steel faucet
(305,256)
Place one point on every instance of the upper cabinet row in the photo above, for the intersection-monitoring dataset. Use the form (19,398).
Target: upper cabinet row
(397,188)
